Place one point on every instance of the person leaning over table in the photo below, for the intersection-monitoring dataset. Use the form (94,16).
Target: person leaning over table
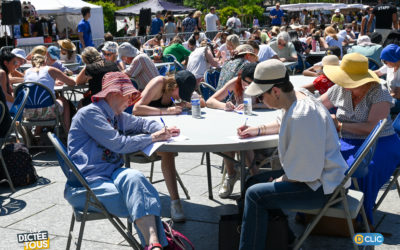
(236,88)
(361,102)
(140,66)
(312,168)
(284,49)
(176,49)
(100,133)
(156,100)
(49,77)
(93,72)
(53,59)
(17,76)
(68,53)
(391,58)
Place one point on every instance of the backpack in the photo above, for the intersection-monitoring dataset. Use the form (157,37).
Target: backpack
(175,239)
(19,165)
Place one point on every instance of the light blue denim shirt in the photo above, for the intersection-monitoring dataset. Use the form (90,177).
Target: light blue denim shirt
(98,138)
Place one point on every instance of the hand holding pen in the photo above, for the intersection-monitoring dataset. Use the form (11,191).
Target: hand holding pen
(229,106)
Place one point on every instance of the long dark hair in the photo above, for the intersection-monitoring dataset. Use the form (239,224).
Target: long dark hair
(6,56)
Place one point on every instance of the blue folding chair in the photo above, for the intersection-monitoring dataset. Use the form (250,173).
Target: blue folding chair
(177,65)
(76,179)
(373,65)
(163,70)
(395,176)
(17,108)
(208,88)
(347,203)
(40,96)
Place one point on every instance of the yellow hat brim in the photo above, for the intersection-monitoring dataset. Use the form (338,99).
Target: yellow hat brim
(350,81)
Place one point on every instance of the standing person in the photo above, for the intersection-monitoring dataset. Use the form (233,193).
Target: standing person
(234,22)
(212,21)
(84,29)
(305,17)
(170,28)
(157,25)
(189,24)
(386,15)
(364,22)
(196,17)
(256,24)
(311,168)
(276,15)
(338,18)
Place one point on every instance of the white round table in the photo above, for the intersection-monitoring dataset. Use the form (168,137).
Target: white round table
(216,132)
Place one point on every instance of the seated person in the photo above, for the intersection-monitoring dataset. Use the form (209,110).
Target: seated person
(140,66)
(322,83)
(68,53)
(243,54)
(361,102)
(201,60)
(367,48)
(333,39)
(53,59)
(5,123)
(190,44)
(311,168)
(391,57)
(93,72)
(284,48)
(17,76)
(157,100)
(47,75)
(348,34)
(226,50)
(40,49)
(8,63)
(263,51)
(96,145)
(155,41)
(158,56)
(316,69)
(176,49)
(109,52)
(233,91)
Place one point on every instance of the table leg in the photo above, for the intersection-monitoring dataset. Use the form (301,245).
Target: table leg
(210,192)
(242,172)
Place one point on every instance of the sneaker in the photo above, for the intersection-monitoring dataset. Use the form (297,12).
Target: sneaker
(177,214)
(227,187)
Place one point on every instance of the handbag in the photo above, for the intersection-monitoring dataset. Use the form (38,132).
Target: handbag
(176,240)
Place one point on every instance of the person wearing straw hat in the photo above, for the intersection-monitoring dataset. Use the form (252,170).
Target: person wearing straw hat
(100,133)
(361,102)
(312,165)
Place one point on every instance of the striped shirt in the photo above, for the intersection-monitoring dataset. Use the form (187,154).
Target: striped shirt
(142,69)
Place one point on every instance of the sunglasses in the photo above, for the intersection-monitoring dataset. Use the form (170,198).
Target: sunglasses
(248,82)
(107,54)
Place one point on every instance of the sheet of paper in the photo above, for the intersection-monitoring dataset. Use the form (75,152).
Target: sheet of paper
(149,150)
(251,139)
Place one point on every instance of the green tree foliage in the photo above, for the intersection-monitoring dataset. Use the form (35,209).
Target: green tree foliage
(225,12)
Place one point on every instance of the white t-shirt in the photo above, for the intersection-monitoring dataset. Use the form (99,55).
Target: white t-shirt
(223,48)
(211,22)
(265,52)
(392,78)
(234,22)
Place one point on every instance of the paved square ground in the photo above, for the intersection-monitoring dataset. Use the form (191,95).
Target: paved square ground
(41,207)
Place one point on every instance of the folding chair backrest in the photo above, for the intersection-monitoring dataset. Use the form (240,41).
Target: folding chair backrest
(74,176)
(211,77)
(396,124)
(372,64)
(163,70)
(177,65)
(17,108)
(363,156)
(40,96)
(169,58)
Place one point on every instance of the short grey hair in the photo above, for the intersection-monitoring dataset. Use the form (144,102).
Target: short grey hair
(90,55)
(234,40)
(283,36)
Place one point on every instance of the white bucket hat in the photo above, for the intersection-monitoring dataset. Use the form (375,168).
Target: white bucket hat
(267,74)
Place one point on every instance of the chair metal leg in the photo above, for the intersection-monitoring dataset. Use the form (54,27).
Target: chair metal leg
(71,230)
(391,183)
(129,226)
(151,172)
(82,228)
(3,163)
(182,185)
(210,193)
(202,159)
(348,216)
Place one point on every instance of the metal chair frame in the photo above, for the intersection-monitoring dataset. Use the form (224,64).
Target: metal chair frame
(57,122)
(362,158)
(91,201)
(20,101)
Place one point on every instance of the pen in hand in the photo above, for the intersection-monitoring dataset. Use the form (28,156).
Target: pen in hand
(165,127)
(173,101)
(245,122)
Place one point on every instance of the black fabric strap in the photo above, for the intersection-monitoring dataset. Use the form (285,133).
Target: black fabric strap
(273,81)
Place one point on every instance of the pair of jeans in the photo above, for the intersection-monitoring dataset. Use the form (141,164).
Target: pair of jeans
(128,194)
(263,198)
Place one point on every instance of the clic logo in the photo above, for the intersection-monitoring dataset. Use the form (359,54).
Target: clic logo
(368,239)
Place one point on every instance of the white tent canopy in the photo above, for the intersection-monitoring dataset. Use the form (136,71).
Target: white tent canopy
(68,14)
(318,6)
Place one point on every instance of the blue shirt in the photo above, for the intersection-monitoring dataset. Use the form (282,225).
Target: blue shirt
(84,27)
(98,137)
(372,24)
(279,13)
(333,42)
(58,65)
(156,25)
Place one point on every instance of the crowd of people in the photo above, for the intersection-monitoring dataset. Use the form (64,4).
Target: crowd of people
(349,104)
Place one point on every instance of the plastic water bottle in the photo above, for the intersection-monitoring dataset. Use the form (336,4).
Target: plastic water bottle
(196,110)
(247,107)
(317,94)
(317,48)
(314,45)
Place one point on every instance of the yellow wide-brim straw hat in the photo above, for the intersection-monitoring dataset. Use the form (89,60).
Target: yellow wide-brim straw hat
(353,72)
